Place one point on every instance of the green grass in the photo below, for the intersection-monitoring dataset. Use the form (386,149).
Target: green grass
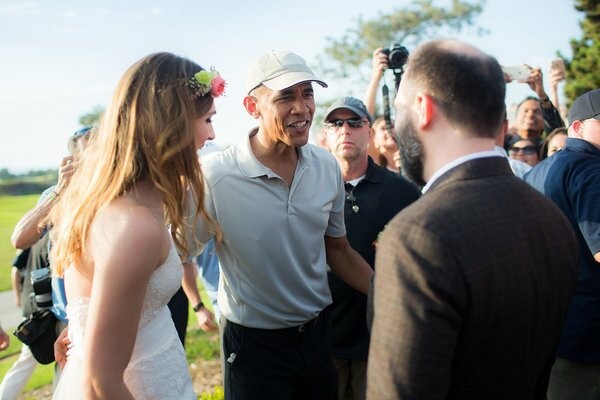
(41,376)
(12,208)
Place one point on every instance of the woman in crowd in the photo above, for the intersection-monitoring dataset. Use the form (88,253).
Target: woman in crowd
(386,145)
(118,233)
(554,142)
(526,150)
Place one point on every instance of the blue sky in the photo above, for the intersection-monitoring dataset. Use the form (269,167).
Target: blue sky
(62,58)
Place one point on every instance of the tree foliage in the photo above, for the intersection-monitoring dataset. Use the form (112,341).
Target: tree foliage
(92,117)
(582,70)
(407,26)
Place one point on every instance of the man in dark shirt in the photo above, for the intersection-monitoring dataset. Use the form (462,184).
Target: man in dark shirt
(571,179)
(373,196)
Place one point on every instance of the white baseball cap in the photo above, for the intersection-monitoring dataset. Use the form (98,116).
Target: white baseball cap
(279,70)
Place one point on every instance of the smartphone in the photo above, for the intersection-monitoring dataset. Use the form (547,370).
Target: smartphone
(517,72)
(558,64)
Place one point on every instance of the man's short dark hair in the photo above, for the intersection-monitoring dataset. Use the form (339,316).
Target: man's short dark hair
(527,99)
(470,89)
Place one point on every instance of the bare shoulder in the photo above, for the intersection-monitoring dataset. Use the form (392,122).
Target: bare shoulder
(125,229)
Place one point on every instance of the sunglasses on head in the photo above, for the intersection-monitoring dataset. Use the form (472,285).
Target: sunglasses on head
(352,123)
(527,150)
(83,131)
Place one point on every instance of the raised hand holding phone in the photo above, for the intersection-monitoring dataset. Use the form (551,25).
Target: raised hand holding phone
(518,73)
(557,70)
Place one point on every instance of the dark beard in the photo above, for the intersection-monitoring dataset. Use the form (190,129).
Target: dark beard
(411,148)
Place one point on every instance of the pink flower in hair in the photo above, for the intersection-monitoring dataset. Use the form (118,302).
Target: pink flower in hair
(207,81)
(217,86)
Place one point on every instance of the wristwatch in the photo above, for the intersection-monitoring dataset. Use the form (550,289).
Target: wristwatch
(544,100)
(197,307)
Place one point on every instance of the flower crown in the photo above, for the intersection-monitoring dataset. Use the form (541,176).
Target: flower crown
(207,81)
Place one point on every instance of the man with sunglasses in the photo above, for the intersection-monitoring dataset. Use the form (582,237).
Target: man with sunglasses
(279,202)
(571,179)
(373,196)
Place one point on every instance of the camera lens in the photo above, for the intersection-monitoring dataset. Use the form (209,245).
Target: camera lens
(43,300)
(41,281)
(398,55)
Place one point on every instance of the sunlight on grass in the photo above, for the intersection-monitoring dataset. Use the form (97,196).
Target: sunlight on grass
(12,208)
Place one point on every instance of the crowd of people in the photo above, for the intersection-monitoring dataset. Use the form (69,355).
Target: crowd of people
(442,255)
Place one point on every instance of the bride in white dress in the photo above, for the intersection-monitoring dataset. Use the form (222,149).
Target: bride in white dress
(110,242)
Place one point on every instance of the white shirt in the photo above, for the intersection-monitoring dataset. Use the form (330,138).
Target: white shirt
(457,162)
(273,264)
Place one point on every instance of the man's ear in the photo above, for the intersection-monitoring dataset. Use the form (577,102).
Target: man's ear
(250,104)
(577,126)
(424,107)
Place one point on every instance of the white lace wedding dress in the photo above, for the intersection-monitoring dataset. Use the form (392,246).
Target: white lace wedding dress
(158,367)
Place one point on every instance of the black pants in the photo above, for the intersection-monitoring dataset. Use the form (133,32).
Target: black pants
(279,364)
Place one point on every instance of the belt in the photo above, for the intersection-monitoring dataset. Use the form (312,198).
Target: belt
(302,328)
(307,326)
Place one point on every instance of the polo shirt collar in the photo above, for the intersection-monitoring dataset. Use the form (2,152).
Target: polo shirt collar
(252,168)
(576,144)
(374,174)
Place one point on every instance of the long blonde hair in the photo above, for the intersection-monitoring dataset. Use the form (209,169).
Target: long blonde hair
(145,133)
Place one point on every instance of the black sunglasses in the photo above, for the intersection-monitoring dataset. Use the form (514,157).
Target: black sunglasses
(527,150)
(352,123)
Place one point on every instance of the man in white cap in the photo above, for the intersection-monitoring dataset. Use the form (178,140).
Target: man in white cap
(280,204)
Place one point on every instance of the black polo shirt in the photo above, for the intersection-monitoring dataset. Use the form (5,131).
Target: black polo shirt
(376,199)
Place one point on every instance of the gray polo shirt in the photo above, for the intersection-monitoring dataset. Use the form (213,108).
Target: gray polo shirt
(273,267)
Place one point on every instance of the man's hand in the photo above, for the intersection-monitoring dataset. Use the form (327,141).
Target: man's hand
(380,63)
(61,345)
(206,320)
(4,340)
(556,76)
(535,82)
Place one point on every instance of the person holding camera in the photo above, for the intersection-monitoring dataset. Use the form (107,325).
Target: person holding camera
(34,294)
(382,147)
(30,235)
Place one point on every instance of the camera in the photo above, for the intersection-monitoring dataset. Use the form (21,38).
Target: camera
(41,280)
(397,55)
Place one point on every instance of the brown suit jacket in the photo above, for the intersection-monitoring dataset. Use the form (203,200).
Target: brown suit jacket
(473,282)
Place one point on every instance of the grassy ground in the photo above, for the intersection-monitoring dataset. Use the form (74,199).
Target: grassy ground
(43,373)
(12,208)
